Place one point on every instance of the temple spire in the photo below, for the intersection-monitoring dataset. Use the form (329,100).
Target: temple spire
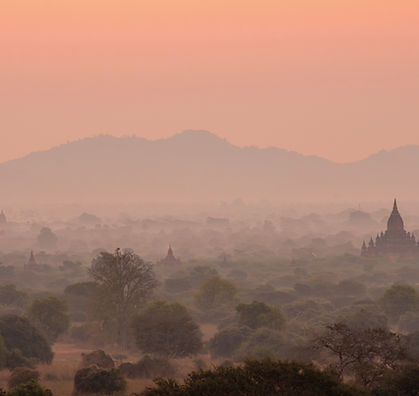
(395,209)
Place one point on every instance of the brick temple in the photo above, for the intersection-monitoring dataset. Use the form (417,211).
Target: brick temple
(395,242)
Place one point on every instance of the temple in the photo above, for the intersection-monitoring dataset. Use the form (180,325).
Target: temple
(32,265)
(3,218)
(395,242)
(170,259)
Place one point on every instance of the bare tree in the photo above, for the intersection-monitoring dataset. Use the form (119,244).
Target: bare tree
(365,353)
(125,282)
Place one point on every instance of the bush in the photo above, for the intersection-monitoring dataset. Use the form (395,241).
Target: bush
(31,388)
(16,359)
(10,296)
(19,333)
(97,358)
(50,315)
(97,380)
(256,378)
(404,381)
(168,330)
(264,343)
(227,341)
(22,375)
(399,299)
(147,367)
(214,293)
(258,314)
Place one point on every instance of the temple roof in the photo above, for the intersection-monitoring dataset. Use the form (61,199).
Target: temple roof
(395,221)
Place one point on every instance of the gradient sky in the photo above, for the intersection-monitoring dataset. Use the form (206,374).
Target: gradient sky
(335,78)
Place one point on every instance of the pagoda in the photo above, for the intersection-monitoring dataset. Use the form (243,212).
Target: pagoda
(3,218)
(32,264)
(170,259)
(395,242)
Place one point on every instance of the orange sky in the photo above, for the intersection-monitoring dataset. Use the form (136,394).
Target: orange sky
(336,78)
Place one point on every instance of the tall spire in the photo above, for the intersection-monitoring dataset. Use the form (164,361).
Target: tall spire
(395,209)
(395,221)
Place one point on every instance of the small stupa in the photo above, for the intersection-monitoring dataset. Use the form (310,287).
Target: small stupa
(170,259)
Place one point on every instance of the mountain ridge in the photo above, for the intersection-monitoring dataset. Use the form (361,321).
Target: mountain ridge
(200,166)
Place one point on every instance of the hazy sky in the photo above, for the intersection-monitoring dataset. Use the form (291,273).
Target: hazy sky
(336,78)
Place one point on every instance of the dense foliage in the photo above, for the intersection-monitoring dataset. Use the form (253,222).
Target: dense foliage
(214,293)
(167,329)
(256,378)
(92,380)
(258,314)
(50,316)
(20,335)
(125,282)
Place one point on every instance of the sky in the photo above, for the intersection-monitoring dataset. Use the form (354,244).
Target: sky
(333,78)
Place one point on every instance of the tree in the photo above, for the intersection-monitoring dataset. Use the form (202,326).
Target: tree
(10,296)
(31,388)
(50,315)
(362,317)
(167,330)
(227,341)
(47,239)
(258,314)
(79,296)
(214,293)
(199,274)
(256,378)
(401,382)
(365,353)
(399,299)
(125,282)
(22,375)
(264,343)
(20,335)
(97,380)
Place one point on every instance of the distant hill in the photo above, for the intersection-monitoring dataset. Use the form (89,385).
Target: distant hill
(199,166)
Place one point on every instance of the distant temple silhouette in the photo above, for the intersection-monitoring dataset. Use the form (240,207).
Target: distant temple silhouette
(32,264)
(395,242)
(170,259)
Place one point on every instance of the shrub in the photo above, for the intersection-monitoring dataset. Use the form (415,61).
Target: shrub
(214,293)
(97,358)
(264,343)
(31,388)
(399,299)
(256,378)
(168,330)
(10,296)
(16,359)
(50,315)
(147,367)
(258,314)
(22,375)
(227,341)
(19,333)
(97,380)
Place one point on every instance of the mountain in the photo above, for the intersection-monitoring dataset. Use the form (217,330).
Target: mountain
(199,166)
